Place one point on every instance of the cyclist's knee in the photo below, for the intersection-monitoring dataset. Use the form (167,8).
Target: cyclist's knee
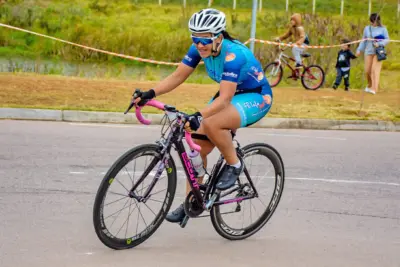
(201,139)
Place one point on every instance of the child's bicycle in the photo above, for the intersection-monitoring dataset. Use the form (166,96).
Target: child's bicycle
(160,168)
(312,78)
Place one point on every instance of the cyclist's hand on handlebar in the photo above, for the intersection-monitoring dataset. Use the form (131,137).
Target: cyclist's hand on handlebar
(193,122)
(140,98)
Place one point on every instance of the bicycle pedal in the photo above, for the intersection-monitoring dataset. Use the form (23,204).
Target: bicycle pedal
(183,223)
(238,208)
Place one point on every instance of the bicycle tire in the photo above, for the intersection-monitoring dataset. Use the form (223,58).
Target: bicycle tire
(98,220)
(322,80)
(279,77)
(239,234)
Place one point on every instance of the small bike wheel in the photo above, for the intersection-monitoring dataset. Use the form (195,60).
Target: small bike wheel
(124,175)
(313,77)
(273,73)
(236,230)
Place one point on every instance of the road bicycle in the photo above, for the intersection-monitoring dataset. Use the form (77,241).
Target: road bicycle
(312,77)
(203,198)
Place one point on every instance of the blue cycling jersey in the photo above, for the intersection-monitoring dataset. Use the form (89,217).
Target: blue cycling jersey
(235,63)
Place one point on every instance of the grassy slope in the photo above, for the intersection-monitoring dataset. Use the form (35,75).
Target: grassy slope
(150,31)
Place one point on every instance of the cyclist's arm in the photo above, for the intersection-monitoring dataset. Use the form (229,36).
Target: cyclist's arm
(174,80)
(184,70)
(285,36)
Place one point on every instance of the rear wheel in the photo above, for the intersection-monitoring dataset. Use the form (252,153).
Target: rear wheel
(273,72)
(229,219)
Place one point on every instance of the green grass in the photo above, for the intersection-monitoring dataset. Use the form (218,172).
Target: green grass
(142,28)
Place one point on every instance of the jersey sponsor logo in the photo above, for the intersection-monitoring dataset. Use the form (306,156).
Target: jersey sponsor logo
(257,75)
(267,101)
(188,58)
(251,104)
(230,74)
(230,57)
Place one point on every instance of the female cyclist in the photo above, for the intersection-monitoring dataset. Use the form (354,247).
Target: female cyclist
(244,96)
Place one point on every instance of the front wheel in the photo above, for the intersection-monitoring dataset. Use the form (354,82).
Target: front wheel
(273,72)
(261,184)
(313,77)
(125,189)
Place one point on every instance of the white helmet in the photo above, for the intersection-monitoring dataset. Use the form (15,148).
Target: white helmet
(207,20)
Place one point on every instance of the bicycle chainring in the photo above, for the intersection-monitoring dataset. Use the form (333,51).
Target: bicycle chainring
(192,208)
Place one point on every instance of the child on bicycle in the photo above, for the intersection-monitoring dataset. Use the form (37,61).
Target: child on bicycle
(296,30)
(343,65)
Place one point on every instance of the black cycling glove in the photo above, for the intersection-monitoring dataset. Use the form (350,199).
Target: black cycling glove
(195,121)
(144,96)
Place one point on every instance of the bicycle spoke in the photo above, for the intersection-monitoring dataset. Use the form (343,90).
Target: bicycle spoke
(122,184)
(127,224)
(137,225)
(141,190)
(262,202)
(243,219)
(141,215)
(134,170)
(115,201)
(119,212)
(251,220)
(126,219)
(130,177)
(119,194)
(158,192)
(149,209)
(155,200)
(251,204)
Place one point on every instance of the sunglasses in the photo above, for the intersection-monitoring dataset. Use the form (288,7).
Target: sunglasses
(203,40)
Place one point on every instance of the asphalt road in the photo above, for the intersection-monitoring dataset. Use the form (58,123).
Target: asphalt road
(340,207)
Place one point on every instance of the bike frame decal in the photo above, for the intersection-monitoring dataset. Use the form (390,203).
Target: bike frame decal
(190,170)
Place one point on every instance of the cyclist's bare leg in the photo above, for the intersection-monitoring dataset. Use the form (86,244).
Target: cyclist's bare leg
(217,129)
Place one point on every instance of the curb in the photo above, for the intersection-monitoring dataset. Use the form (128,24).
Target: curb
(119,117)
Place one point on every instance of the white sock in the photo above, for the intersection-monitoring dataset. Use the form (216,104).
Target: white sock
(237,165)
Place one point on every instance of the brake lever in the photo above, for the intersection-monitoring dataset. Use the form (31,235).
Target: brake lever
(129,108)
(135,95)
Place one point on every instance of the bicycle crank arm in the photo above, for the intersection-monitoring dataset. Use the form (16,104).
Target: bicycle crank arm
(183,223)
(210,203)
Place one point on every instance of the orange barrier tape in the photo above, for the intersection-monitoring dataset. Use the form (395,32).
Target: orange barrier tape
(91,48)
(312,46)
(164,62)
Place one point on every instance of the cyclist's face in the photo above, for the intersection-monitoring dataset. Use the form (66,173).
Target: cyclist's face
(293,22)
(204,49)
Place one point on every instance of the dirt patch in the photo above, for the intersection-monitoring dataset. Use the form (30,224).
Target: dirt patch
(58,92)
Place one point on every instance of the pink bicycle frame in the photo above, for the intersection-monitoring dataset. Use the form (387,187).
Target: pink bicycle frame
(160,105)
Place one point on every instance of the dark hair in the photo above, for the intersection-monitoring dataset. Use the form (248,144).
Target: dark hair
(375,17)
(345,41)
(227,36)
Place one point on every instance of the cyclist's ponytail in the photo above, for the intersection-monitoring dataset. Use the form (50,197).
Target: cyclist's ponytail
(227,36)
